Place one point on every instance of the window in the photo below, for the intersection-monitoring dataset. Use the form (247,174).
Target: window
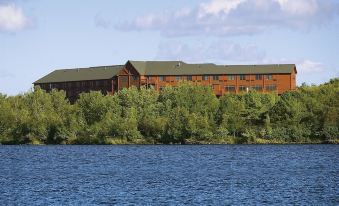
(230,88)
(231,77)
(269,77)
(135,78)
(178,78)
(189,78)
(258,77)
(257,87)
(215,77)
(242,88)
(271,87)
(242,77)
(161,78)
(205,77)
(123,79)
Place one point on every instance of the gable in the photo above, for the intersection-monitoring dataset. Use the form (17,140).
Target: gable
(123,71)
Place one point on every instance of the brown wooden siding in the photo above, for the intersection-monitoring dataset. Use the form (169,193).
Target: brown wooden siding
(221,84)
(73,89)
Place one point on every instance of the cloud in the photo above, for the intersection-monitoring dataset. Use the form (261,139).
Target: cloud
(12,18)
(217,6)
(220,51)
(237,17)
(308,66)
(314,72)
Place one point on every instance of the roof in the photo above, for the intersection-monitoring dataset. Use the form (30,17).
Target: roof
(81,74)
(162,68)
(182,68)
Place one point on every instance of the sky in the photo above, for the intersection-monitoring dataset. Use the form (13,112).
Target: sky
(39,36)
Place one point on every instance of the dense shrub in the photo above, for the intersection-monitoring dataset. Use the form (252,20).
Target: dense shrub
(184,114)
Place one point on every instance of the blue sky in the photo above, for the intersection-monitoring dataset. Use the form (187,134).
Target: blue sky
(38,36)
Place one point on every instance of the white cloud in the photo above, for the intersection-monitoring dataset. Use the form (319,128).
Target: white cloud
(304,66)
(237,17)
(217,6)
(299,7)
(217,52)
(314,72)
(308,66)
(12,18)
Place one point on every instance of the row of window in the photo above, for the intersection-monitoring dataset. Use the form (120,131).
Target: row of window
(215,77)
(231,88)
(242,88)
(96,83)
(125,78)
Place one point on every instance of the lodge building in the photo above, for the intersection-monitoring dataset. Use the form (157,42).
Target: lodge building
(158,74)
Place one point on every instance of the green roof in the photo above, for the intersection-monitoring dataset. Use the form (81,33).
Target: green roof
(162,68)
(81,74)
(181,68)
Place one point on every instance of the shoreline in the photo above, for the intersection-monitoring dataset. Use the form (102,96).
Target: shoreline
(194,144)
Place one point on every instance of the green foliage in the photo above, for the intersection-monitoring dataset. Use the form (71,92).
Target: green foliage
(178,115)
(190,111)
(195,98)
(93,106)
(232,113)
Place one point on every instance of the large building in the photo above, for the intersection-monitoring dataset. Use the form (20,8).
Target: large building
(158,74)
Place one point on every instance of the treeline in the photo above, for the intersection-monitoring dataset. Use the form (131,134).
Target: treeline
(183,114)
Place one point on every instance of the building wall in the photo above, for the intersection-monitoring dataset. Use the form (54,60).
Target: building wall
(127,77)
(74,88)
(222,84)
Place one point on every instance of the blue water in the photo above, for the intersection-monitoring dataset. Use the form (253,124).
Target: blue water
(170,175)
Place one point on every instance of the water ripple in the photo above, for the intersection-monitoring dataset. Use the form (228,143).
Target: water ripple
(170,175)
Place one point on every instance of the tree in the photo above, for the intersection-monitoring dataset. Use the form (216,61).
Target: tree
(176,130)
(93,106)
(6,119)
(195,98)
(232,113)
(289,113)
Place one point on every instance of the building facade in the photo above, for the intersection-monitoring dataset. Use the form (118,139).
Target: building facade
(159,74)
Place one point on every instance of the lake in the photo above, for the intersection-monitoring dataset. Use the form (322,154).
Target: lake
(170,175)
